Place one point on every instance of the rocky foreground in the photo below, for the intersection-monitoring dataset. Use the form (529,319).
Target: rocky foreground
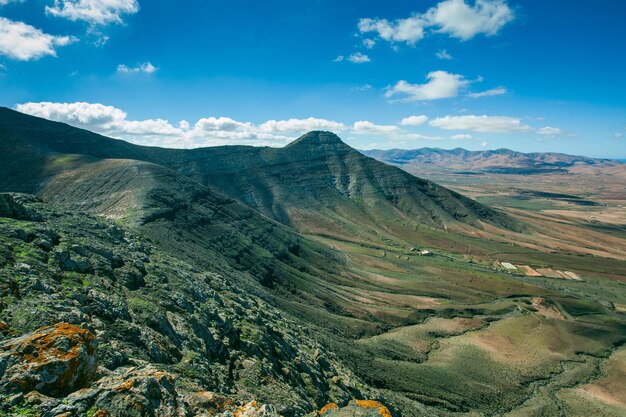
(97,322)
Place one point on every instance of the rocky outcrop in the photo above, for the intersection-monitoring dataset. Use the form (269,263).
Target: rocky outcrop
(356,408)
(54,360)
(252,409)
(11,206)
(128,392)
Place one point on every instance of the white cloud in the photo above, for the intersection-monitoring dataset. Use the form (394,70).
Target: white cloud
(618,135)
(441,84)
(461,137)
(225,124)
(368,128)
(24,42)
(456,18)
(99,118)
(112,121)
(300,125)
(443,54)
(486,124)
(549,131)
(484,144)
(208,131)
(94,12)
(488,93)
(369,43)
(408,30)
(463,21)
(358,58)
(5,2)
(414,120)
(146,68)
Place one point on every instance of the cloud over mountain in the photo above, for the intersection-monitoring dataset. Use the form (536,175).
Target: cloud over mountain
(484,123)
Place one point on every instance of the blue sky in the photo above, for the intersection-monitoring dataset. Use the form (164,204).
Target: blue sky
(529,75)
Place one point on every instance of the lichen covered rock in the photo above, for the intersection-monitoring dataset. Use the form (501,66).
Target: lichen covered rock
(253,409)
(128,392)
(54,360)
(356,408)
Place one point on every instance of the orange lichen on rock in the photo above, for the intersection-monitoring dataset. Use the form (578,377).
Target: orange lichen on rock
(383,411)
(125,386)
(54,360)
(327,408)
(253,409)
(5,330)
(204,401)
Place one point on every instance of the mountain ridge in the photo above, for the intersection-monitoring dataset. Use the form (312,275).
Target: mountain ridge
(501,160)
(329,176)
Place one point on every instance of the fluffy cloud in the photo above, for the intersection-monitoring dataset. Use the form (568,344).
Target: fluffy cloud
(443,54)
(356,58)
(414,120)
(456,18)
(369,43)
(368,128)
(408,30)
(214,131)
(225,124)
(460,20)
(550,131)
(146,68)
(441,84)
(488,93)
(209,131)
(24,42)
(81,114)
(486,124)
(94,12)
(5,2)
(300,125)
(99,118)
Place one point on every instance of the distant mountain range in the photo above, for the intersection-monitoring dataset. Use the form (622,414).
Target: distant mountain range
(499,161)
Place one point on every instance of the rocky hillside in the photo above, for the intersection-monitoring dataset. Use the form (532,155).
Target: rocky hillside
(97,321)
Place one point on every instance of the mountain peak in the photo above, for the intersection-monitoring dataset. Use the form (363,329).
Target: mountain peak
(319,139)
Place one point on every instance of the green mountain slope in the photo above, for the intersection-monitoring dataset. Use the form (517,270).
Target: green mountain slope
(317,184)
